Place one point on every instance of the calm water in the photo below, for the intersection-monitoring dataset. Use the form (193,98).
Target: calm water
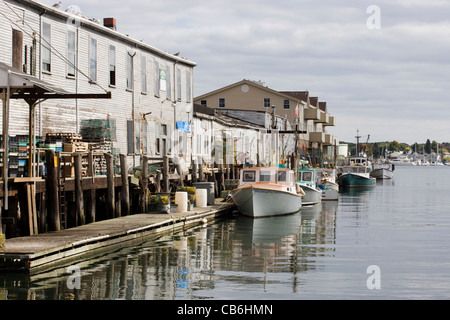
(402,226)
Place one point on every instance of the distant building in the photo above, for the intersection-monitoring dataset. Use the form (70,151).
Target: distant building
(302,111)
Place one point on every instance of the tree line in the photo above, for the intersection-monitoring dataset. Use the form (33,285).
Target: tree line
(379,149)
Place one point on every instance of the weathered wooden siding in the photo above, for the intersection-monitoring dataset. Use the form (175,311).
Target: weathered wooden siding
(155,108)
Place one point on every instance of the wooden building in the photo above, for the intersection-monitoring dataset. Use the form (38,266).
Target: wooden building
(151,89)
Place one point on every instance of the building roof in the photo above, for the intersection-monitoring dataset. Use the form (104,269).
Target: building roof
(257,84)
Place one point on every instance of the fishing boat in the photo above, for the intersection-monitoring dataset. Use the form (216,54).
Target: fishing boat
(267,191)
(383,170)
(357,174)
(327,183)
(308,182)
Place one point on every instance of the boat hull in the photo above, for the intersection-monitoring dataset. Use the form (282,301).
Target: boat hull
(382,173)
(312,195)
(330,194)
(352,180)
(261,202)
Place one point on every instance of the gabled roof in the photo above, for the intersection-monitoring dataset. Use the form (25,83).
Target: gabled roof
(255,84)
(314,101)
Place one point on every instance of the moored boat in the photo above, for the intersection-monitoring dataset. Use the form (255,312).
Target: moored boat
(327,183)
(356,175)
(267,191)
(308,182)
(383,170)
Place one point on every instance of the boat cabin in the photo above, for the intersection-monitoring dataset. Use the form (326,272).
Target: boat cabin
(308,177)
(274,175)
(355,169)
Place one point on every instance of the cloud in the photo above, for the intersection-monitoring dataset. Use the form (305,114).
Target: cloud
(397,74)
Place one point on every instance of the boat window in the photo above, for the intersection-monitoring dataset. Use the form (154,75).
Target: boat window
(282,176)
(249,176)
(264,176)
(307,176)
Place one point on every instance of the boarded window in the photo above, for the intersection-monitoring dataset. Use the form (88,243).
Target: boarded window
(178,84)
(143,74)
(17,39)
(157,78)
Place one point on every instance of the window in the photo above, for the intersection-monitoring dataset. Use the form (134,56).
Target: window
(168,86)
(178,84)
(112,65)
(248,176)
(163,142)
(221,102)
(143,74)
(188,86)
(137,142)
(129,72)
(287,104)
(281,176)
(266,102)
(157,78)
(264,176)
(203,102)
(93,59)
(71,53)
(46,44)
(162,79)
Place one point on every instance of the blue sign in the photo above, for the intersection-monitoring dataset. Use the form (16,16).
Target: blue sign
(183,126)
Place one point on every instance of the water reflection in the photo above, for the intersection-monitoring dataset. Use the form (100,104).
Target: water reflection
(238,255)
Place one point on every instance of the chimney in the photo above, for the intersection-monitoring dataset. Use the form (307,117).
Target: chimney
(110,23)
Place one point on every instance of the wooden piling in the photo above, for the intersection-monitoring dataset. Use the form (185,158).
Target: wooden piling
(125,192)
(51,185)
(79,199)
(144,185)
(166,173)
(194,171)
(110,194)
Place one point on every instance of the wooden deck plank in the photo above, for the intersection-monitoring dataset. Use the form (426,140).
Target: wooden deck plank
(54,247)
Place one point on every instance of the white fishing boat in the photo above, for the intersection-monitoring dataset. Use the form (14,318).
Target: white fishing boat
(308,182)
(383,170)
(267,191)
(327,183)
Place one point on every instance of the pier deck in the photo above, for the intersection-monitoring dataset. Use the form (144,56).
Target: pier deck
(37,253)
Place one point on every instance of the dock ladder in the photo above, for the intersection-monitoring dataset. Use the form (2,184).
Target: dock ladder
(62,192)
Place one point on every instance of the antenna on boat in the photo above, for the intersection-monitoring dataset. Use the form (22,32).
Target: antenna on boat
(357,141)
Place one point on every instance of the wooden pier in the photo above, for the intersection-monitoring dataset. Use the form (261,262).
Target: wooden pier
(38,253)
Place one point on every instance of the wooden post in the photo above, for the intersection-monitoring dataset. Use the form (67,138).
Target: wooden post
(125,192)
(110,201)
(166,173)
(144,165)
(90,203)
(79,199)
(194,171)
(51,187)
(200,170)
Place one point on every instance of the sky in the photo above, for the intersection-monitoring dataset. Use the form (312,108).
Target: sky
(382,66)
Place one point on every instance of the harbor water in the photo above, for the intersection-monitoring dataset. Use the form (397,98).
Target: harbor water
(387,242)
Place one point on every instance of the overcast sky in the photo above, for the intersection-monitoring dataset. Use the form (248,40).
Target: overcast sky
(387,77)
